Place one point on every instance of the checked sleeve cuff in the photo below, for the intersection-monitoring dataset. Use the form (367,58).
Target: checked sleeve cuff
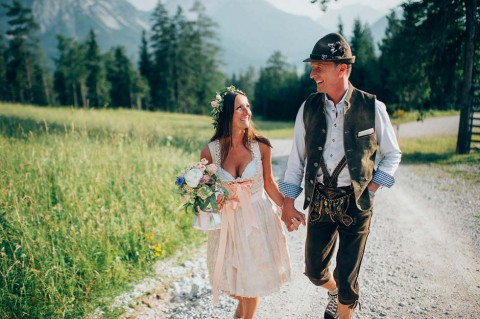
(290,190)
(383,179)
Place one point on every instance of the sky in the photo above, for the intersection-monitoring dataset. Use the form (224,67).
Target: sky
(301,7)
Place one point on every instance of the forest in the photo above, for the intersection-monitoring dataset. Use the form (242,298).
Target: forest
(420,64)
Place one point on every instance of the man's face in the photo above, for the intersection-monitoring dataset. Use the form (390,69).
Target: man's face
(326,75)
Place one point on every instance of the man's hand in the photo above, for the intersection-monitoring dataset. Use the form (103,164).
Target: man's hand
(290,216)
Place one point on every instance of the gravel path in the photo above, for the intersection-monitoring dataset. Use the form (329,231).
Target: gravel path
(422,260)
(444,125)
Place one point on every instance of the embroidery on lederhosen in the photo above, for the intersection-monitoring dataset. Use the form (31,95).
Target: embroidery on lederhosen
(330,199)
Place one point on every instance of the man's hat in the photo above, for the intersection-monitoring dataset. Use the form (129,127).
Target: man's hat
(332,47)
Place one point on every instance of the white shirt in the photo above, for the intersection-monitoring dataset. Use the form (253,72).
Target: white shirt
(334,150)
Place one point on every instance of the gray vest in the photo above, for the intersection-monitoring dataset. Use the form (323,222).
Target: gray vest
(360,152)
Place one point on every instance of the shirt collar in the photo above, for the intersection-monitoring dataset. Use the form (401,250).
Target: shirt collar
(342,101)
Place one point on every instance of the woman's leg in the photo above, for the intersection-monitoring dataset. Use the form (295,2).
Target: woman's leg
(250,307)
(239,311)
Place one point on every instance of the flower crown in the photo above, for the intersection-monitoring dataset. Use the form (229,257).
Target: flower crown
(217,104)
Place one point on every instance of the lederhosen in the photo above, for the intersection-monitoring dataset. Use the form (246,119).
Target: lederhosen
(329,199)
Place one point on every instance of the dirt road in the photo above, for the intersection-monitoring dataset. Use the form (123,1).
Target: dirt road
(422,258)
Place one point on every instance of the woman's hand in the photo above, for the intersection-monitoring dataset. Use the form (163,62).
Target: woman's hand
(220,201)
(290,216)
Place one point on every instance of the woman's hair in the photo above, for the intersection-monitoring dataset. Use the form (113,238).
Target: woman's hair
(223,131)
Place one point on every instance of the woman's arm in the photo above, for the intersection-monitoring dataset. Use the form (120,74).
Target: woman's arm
(205,153)
(269,181)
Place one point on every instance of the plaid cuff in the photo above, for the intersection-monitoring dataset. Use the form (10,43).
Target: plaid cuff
(383,179)
(290,190)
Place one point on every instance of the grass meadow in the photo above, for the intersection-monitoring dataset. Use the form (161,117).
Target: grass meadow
(88,201)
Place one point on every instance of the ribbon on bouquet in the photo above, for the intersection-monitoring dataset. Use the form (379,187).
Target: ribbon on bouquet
(240,198)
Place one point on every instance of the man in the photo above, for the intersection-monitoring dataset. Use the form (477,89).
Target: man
(337,132)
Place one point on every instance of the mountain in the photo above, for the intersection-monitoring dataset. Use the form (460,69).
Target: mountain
(251,30)
(116,22)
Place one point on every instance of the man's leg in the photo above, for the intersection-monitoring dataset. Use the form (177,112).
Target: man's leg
(319,244)
(319,247)
(351,247)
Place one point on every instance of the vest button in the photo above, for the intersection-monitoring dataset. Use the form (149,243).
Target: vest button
(320,148)
(315,164)
(311,181)
(308,198)
(323,130)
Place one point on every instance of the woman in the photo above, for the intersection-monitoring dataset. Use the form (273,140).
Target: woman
(248,257)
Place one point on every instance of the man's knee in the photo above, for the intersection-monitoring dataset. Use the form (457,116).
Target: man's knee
(319,280)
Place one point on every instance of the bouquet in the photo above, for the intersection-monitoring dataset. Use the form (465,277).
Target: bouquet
(203,193)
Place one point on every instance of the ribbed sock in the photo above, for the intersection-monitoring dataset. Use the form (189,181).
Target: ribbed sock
(333,292)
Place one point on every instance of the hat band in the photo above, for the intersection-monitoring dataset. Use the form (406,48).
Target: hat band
(325,57)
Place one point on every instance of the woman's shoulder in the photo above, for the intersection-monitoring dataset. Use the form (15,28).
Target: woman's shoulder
(263,145)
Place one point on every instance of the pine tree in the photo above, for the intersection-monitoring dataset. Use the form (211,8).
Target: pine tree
(144,63)
(245,81)
(277,91)
(3,69)
(127,89)
(184,77)
(145,71)
(206,50)
(71,72)
(162,44)
(26,74)
(364,72)
(97,89)
(340,25)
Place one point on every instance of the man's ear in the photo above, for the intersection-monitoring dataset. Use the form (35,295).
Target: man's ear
(343,68)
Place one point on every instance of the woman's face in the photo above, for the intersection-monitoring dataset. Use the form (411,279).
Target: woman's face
(241,113)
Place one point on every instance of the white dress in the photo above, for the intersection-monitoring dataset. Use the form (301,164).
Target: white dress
(252,259)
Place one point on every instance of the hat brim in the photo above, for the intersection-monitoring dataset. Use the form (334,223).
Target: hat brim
(345,60)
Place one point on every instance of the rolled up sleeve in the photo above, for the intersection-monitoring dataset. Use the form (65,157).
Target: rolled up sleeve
(390,153)
(290,186)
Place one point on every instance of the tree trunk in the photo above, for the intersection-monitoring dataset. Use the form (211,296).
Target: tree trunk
(463,140)
(46,90)
(29,79)
(75,98)
(83,92)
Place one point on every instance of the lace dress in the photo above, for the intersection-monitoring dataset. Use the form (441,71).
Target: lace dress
(248,256)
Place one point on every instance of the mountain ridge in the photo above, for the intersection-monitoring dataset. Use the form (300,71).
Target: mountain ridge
(249,30)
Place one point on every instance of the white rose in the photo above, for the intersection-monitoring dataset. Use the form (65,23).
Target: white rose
(218,98)
(193,176)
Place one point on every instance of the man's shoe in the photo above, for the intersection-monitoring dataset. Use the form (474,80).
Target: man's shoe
(331,312)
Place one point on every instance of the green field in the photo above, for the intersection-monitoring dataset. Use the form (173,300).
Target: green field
(88,202)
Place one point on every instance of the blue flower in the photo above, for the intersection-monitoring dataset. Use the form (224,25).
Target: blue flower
(180,181)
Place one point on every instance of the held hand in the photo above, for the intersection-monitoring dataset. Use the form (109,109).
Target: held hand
(292,217)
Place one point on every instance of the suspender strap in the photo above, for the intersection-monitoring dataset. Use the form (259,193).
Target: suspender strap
(332,180)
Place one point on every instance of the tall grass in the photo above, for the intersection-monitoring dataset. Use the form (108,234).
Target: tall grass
(88,202)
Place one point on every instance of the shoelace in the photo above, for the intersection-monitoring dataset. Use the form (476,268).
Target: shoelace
(332,305)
